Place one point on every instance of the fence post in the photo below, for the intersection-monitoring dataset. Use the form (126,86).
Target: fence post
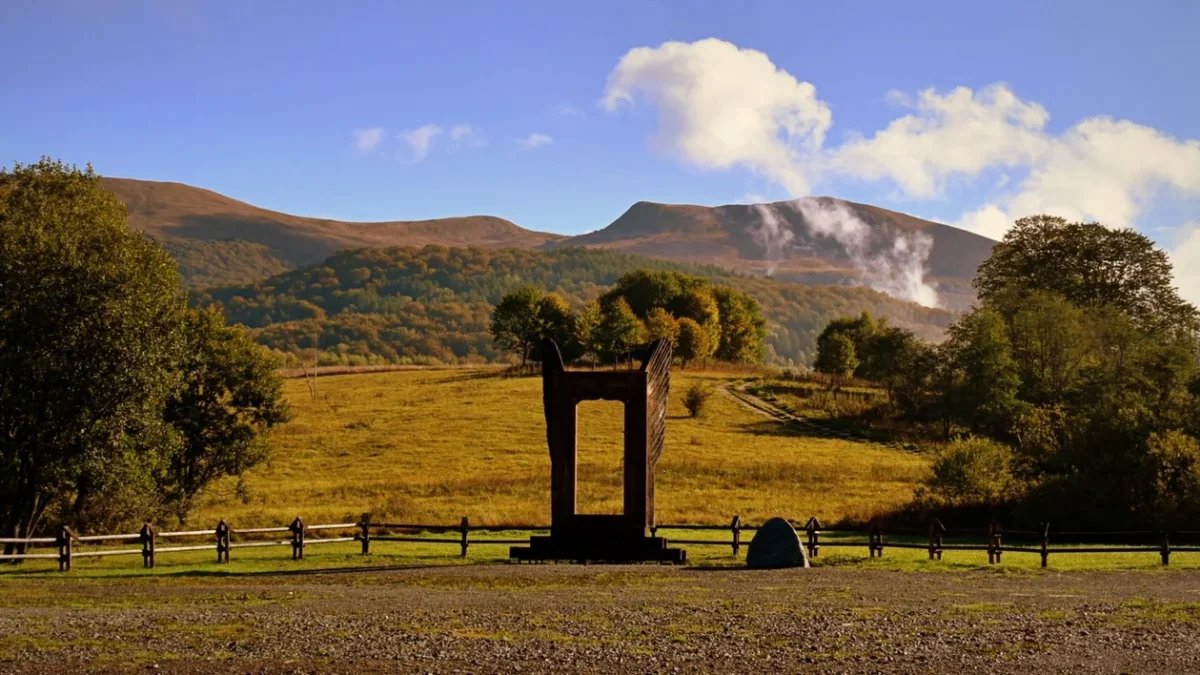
(813,528)
(1045,544)
(222,542)
(935,539)
(297,528)
(875,539)
(465,529)
(148,536)
(65,535)
(366,533)
(1165,551)
(995,541)
(736,528)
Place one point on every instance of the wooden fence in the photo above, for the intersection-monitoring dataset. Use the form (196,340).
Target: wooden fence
(224,539)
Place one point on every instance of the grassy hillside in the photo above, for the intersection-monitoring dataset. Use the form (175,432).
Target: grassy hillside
(725,236)
(437,445)
(433,304)
(228,241)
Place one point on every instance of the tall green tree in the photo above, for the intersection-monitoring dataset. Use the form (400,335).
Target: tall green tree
(1089,265)
(97,362)
(984,380)
(587,330)
(516,324)
(836,356)
(230,398)
(88,335)
(743,328)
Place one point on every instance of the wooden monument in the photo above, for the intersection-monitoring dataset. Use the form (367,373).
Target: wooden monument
(585,537)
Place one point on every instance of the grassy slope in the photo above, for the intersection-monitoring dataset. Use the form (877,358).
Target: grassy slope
(437,445)
(434,445)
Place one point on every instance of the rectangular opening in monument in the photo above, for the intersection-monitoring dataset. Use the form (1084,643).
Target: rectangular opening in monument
(600,457)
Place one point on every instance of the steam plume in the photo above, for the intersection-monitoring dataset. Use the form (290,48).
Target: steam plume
(774,236)
(892,263)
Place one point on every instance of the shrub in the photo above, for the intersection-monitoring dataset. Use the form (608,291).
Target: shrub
(696,398)
(971,471)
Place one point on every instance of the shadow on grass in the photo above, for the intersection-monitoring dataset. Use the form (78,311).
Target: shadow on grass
(792,429)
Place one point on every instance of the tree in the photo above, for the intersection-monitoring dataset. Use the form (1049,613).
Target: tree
(693,343)
(1052,346)
(1173,480)
(231,397)
(556,321)
(836,356)
(95,344)
(88,334)
(661,325)
(620,330)
(587,330)
(982,386)
(516,324)
(646,289)
(1089,265)
(743,328)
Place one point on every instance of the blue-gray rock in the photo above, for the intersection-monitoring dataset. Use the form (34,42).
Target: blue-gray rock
(776,544)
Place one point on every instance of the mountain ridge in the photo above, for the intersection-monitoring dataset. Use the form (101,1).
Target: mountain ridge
(220,240)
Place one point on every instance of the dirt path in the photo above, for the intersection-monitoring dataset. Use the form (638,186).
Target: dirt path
(739,393)
(533,618)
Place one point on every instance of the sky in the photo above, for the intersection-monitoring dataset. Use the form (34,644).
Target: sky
(560,115)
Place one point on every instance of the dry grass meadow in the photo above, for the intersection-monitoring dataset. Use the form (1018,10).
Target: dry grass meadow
(432,446)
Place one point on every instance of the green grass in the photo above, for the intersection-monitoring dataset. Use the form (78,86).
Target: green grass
(437,445)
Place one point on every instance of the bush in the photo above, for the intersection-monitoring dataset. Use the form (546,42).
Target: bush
(696,398)
(971,471)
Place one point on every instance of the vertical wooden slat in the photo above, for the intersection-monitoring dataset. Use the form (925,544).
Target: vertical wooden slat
(1165,549)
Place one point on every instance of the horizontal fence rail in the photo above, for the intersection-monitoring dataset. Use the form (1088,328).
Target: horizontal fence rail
(993,539)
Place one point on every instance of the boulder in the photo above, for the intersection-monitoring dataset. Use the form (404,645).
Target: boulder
(776,544)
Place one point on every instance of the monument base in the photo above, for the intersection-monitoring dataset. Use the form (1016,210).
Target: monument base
(638,550)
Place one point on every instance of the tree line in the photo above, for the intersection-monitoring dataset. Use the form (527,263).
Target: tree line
(433,305)
(701,320)
(1073,385)
(118,403)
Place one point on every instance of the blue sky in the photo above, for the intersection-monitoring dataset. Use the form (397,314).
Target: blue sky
(261,100)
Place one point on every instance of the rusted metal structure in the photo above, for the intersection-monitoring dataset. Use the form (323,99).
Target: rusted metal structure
(625,537)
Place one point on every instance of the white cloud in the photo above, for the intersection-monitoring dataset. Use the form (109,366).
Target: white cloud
(366,140)
(1185,258)
(720,106)
(568,110)
(534,141)
(1100,169)
(421,140)
(959,133)
(466,135)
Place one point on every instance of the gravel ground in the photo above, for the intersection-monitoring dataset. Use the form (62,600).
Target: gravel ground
(606,619)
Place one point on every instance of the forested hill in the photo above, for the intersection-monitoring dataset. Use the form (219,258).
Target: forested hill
(433,304)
